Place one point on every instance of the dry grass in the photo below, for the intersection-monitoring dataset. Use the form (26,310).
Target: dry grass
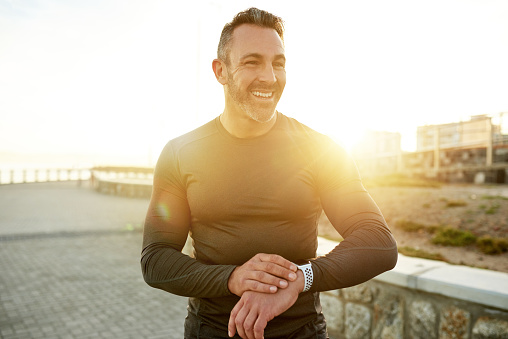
(415,252)
(494,197)
(449,236)
(399,180)
(417,212)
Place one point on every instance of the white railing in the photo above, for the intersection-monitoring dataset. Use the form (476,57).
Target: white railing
(18,176)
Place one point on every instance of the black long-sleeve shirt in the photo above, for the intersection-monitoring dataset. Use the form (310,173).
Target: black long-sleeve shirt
(239,197)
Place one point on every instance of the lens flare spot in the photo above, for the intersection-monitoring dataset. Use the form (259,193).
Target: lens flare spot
(163,211)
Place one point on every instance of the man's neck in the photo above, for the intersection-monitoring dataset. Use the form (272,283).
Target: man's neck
(244,127)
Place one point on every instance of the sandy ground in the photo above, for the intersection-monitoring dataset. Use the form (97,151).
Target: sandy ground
(429,206)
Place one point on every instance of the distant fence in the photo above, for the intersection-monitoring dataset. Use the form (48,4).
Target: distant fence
(128,181)
(19,176)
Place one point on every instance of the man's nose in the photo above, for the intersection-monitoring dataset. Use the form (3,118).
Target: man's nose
(267,74)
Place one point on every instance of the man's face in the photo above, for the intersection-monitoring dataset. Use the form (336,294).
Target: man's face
(256,73)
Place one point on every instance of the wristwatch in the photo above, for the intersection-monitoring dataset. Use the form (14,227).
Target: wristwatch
(307,274)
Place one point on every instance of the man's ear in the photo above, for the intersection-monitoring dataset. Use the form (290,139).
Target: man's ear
(219,69)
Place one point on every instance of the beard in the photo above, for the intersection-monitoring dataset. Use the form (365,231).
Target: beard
(257,111)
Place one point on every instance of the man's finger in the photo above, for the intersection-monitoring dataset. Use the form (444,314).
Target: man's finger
(261,281)
(277,259)
(248,324)
(239,320)
(259,328)
(276,270)
(232,318)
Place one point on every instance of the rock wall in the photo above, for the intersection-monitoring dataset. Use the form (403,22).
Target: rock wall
(380,310)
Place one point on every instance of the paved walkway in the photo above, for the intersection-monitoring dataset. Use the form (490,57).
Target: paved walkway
(69,263)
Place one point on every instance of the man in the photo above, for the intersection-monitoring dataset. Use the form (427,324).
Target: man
(249,187)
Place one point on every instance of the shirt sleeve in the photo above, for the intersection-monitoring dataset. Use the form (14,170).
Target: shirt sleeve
(368,248)
(165,231)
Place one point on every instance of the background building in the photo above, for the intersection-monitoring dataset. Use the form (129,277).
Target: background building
(467,151)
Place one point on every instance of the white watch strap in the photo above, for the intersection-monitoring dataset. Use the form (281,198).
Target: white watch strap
(307,274)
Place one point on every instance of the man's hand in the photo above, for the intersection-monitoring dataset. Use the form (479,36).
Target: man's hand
(254,310)
(264,273)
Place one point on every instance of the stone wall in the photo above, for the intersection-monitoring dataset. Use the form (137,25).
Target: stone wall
(380,310)
(420,298)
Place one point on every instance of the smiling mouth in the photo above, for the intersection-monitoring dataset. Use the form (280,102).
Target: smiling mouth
(262,95)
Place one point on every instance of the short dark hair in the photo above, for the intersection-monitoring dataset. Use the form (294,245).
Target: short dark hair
(252,16)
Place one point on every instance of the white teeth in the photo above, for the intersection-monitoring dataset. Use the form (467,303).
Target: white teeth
(263,95)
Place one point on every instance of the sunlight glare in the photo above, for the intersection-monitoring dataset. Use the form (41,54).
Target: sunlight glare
(121,87)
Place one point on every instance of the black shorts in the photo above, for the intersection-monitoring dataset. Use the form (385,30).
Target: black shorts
(196,329)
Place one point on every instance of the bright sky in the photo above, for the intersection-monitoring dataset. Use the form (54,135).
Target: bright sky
(110,81)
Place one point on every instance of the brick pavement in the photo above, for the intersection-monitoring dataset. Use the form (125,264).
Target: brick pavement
(69,263)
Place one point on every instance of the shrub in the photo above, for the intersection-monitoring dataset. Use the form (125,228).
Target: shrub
(489,245)
(409,226)
(449,236)
(455,203)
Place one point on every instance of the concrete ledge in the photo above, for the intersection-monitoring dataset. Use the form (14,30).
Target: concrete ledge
(407,271)
(485,287)
(472,284)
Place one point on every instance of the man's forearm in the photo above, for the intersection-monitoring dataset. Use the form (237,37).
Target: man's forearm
(368,248)
(165,268)
(363,255)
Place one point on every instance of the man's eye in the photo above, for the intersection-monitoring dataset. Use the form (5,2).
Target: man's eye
(279,65)
(253,62)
